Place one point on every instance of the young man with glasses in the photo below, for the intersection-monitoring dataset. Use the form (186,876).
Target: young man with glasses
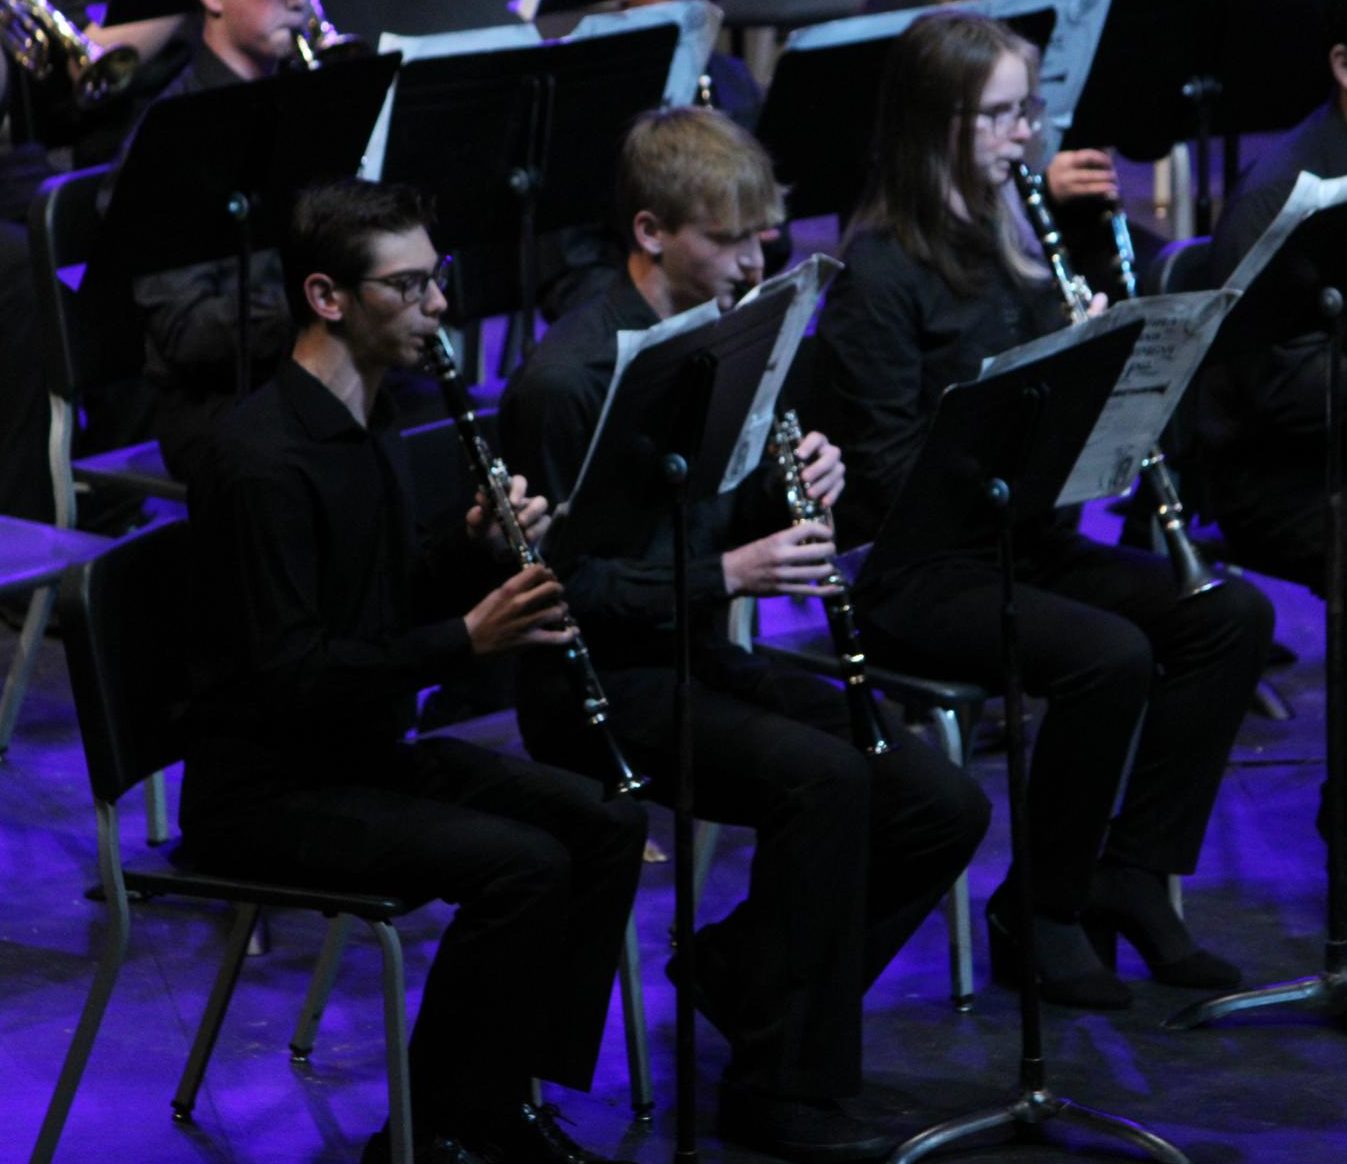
(321,613)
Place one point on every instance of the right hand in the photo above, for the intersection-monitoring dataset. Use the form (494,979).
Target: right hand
(522,612)
(1081,174)
(791,561)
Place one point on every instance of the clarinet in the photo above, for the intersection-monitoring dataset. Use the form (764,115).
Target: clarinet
(866,729)
(1194,576)
(493,478)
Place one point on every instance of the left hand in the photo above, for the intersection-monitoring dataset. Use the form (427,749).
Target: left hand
(530,513)
(824,474)
(1081,174)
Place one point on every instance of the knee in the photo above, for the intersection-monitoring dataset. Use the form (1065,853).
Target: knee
(1240,613)
(1116,663)
(620,829)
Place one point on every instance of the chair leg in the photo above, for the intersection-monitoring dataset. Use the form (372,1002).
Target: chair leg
(633,1016)
(705,838)
(395,1042)
(320,987)
(81,1043)
(156,810)
(221,992)
(957,912)
(25,659)
(1176,893)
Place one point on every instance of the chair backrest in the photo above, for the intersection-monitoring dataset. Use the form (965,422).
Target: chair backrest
(1183,265)
(125,627)
(90,335)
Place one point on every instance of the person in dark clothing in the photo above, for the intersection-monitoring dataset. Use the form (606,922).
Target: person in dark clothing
(1261,419)
(938,278)
(191,314)
(852,852)
(320,615)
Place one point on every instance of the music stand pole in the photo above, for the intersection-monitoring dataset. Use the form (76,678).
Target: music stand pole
(1329,988)
(1035,1103)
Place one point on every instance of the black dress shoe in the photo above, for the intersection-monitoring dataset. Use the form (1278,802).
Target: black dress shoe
(1134,903)
(711,988)
(800,1130)
(525,1134)
(436,1150)
(1069,970)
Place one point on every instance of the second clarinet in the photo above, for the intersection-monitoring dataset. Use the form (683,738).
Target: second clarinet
(494,481)
(866,728)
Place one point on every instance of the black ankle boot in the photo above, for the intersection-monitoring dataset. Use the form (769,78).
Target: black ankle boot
(1134,902)
(1069,973)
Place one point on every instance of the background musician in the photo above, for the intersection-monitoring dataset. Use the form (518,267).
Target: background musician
(191,314)
(320,615)
(1261,419)
(938,278)
(852,852)
(25,163)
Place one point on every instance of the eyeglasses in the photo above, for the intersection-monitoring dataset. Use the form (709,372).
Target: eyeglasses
(414,286)
(1006,115)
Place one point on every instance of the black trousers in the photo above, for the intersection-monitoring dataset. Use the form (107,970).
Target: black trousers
(1136,679)
(851,854)
(542,868)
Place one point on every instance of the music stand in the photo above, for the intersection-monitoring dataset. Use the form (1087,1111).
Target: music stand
(999,451)
(1300,291)
(516,141)
(668,436)
(212,174)
(1199,80)
(368,18)
(127,11)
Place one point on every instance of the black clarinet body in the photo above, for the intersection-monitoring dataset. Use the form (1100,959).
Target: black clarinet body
(493,478)
(867,730)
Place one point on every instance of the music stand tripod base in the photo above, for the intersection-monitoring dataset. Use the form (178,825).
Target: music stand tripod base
(1327,991)
(1034,1107)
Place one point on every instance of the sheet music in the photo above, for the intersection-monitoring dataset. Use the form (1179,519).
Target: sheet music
(698,26)
(809,277)
(805,283)
(1066,58)
(1176,334)
(1309,195)
(441,44)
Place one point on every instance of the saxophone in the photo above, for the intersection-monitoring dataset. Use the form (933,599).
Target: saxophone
(866,728)
(493,478)
(1194,576)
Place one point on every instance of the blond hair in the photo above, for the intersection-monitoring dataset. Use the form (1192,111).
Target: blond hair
(690,164)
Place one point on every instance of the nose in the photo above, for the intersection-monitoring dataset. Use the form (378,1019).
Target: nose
(434,302)
(1023,129)
(750,255)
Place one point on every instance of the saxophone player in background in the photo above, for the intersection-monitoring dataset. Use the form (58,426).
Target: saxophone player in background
(1141,688)
(852,850)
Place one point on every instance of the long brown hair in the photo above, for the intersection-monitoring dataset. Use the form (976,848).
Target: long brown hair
(924,144)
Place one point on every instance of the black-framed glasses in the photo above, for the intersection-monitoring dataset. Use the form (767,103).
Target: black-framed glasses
(1006,115)
(414,286)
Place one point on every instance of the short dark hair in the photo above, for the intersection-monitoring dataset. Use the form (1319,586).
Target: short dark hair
(331,227)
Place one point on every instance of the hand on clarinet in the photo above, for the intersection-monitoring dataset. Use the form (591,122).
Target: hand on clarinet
(794,560)
(823,474)
(524,611)
(1081,174)
(530,512)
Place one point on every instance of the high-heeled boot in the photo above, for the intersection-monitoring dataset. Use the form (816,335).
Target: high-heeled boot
(1134,902)
(1069,971)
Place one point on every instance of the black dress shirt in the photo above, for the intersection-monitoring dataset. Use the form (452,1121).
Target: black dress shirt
(321,612)
(892,337)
